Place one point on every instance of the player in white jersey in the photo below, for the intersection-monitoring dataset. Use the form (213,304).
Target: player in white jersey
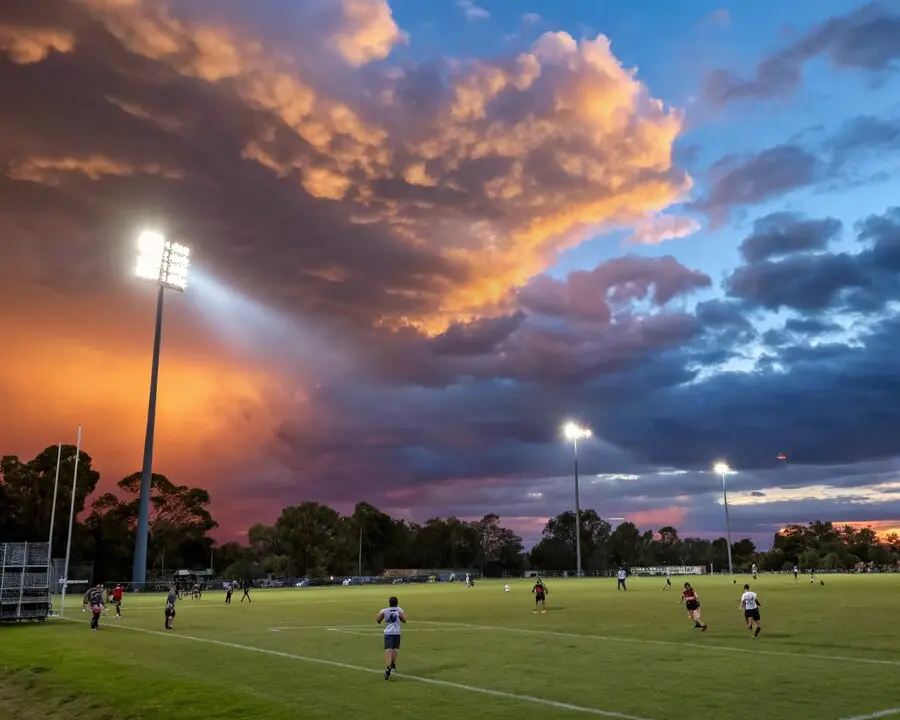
(750,604)
(753,571)
(392,617)
(668,580)
(620,579)
(796,570)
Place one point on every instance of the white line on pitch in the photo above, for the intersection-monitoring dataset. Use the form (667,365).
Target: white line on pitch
(669,643)
(875,715)
(358,668)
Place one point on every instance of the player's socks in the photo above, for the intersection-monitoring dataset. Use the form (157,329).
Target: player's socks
(758,631)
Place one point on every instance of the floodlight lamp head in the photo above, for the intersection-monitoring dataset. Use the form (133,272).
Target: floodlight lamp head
(721,468)
(163,261)
(574,432)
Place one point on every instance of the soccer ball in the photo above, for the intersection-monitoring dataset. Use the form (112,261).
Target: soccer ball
(506,588)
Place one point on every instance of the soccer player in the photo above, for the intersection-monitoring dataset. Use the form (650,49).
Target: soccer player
(812,576)
(117,600)
(753,571)
(245,586)
(170,608)
(751,605)
(692,603)
(393,617)
(796,571)
(229,588)
(95,602)
(668,580)
(621,575)
(540,596)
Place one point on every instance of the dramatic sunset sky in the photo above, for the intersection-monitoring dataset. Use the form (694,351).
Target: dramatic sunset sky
(427,232)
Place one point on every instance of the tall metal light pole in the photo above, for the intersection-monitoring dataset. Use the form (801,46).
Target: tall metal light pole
(722,469)
(573,434)
(166,263)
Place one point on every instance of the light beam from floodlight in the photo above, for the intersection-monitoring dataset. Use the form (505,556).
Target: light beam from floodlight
(573,434)
(167,264)
(722,468)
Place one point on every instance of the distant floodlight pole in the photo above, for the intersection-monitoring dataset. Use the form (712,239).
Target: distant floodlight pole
(722,469)
(573,434)
(166,263)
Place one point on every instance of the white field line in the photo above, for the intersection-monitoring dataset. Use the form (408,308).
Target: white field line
(668,643)
(358,668)
(350,632)
(875,715)
(373,631)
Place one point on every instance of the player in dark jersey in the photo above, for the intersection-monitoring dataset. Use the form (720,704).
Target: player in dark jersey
(692,603)
(94,600)
(170,608)
(245,586)
(540,596)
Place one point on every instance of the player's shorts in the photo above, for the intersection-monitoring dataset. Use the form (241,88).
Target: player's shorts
(391,642)
(96,609)
(170,612)
(539,597)
(692,605)
(752,614)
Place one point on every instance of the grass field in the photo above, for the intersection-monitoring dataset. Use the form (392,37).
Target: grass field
(826,652)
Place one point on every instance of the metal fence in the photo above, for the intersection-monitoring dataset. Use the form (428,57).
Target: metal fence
(24,581)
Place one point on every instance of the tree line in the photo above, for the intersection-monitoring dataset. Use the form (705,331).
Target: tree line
(313,540)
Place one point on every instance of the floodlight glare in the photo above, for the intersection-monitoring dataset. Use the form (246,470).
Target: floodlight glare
(574,432)
(721,468)
(163,261)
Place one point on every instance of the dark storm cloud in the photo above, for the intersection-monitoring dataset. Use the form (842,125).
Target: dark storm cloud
(783,233)
(737,181)
(810,282)
(867,38)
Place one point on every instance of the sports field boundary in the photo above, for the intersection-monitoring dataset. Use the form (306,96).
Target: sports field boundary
(668,643)
(545,702)
(876,715)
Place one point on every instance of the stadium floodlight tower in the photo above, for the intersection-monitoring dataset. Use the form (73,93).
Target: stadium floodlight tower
(573,434)
(721,468)
(165,263)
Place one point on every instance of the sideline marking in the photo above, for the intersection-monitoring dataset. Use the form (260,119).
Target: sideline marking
(672,643)
(873,716)
(358,668)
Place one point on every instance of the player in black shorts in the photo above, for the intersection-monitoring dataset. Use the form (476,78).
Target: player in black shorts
(540,596)
(750,604)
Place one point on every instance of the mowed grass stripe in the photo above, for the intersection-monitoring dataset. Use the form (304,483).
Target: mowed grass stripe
(358,668)
(667,643)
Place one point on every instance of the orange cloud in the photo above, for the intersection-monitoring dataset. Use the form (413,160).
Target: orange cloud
(27,45)
(654,230)
(659,517)
(537,152)
(882,528)
(52,170)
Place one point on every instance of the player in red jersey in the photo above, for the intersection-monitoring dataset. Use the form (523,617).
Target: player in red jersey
(692,603)
(540,596)
(117,600)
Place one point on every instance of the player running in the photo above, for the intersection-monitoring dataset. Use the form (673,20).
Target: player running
(393,618)
(692,603)
(750,604)
(540,596)
(170,608)
(94,600)
(753,571)
(117,599)
(812,576)
(229,588)
(668,580)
